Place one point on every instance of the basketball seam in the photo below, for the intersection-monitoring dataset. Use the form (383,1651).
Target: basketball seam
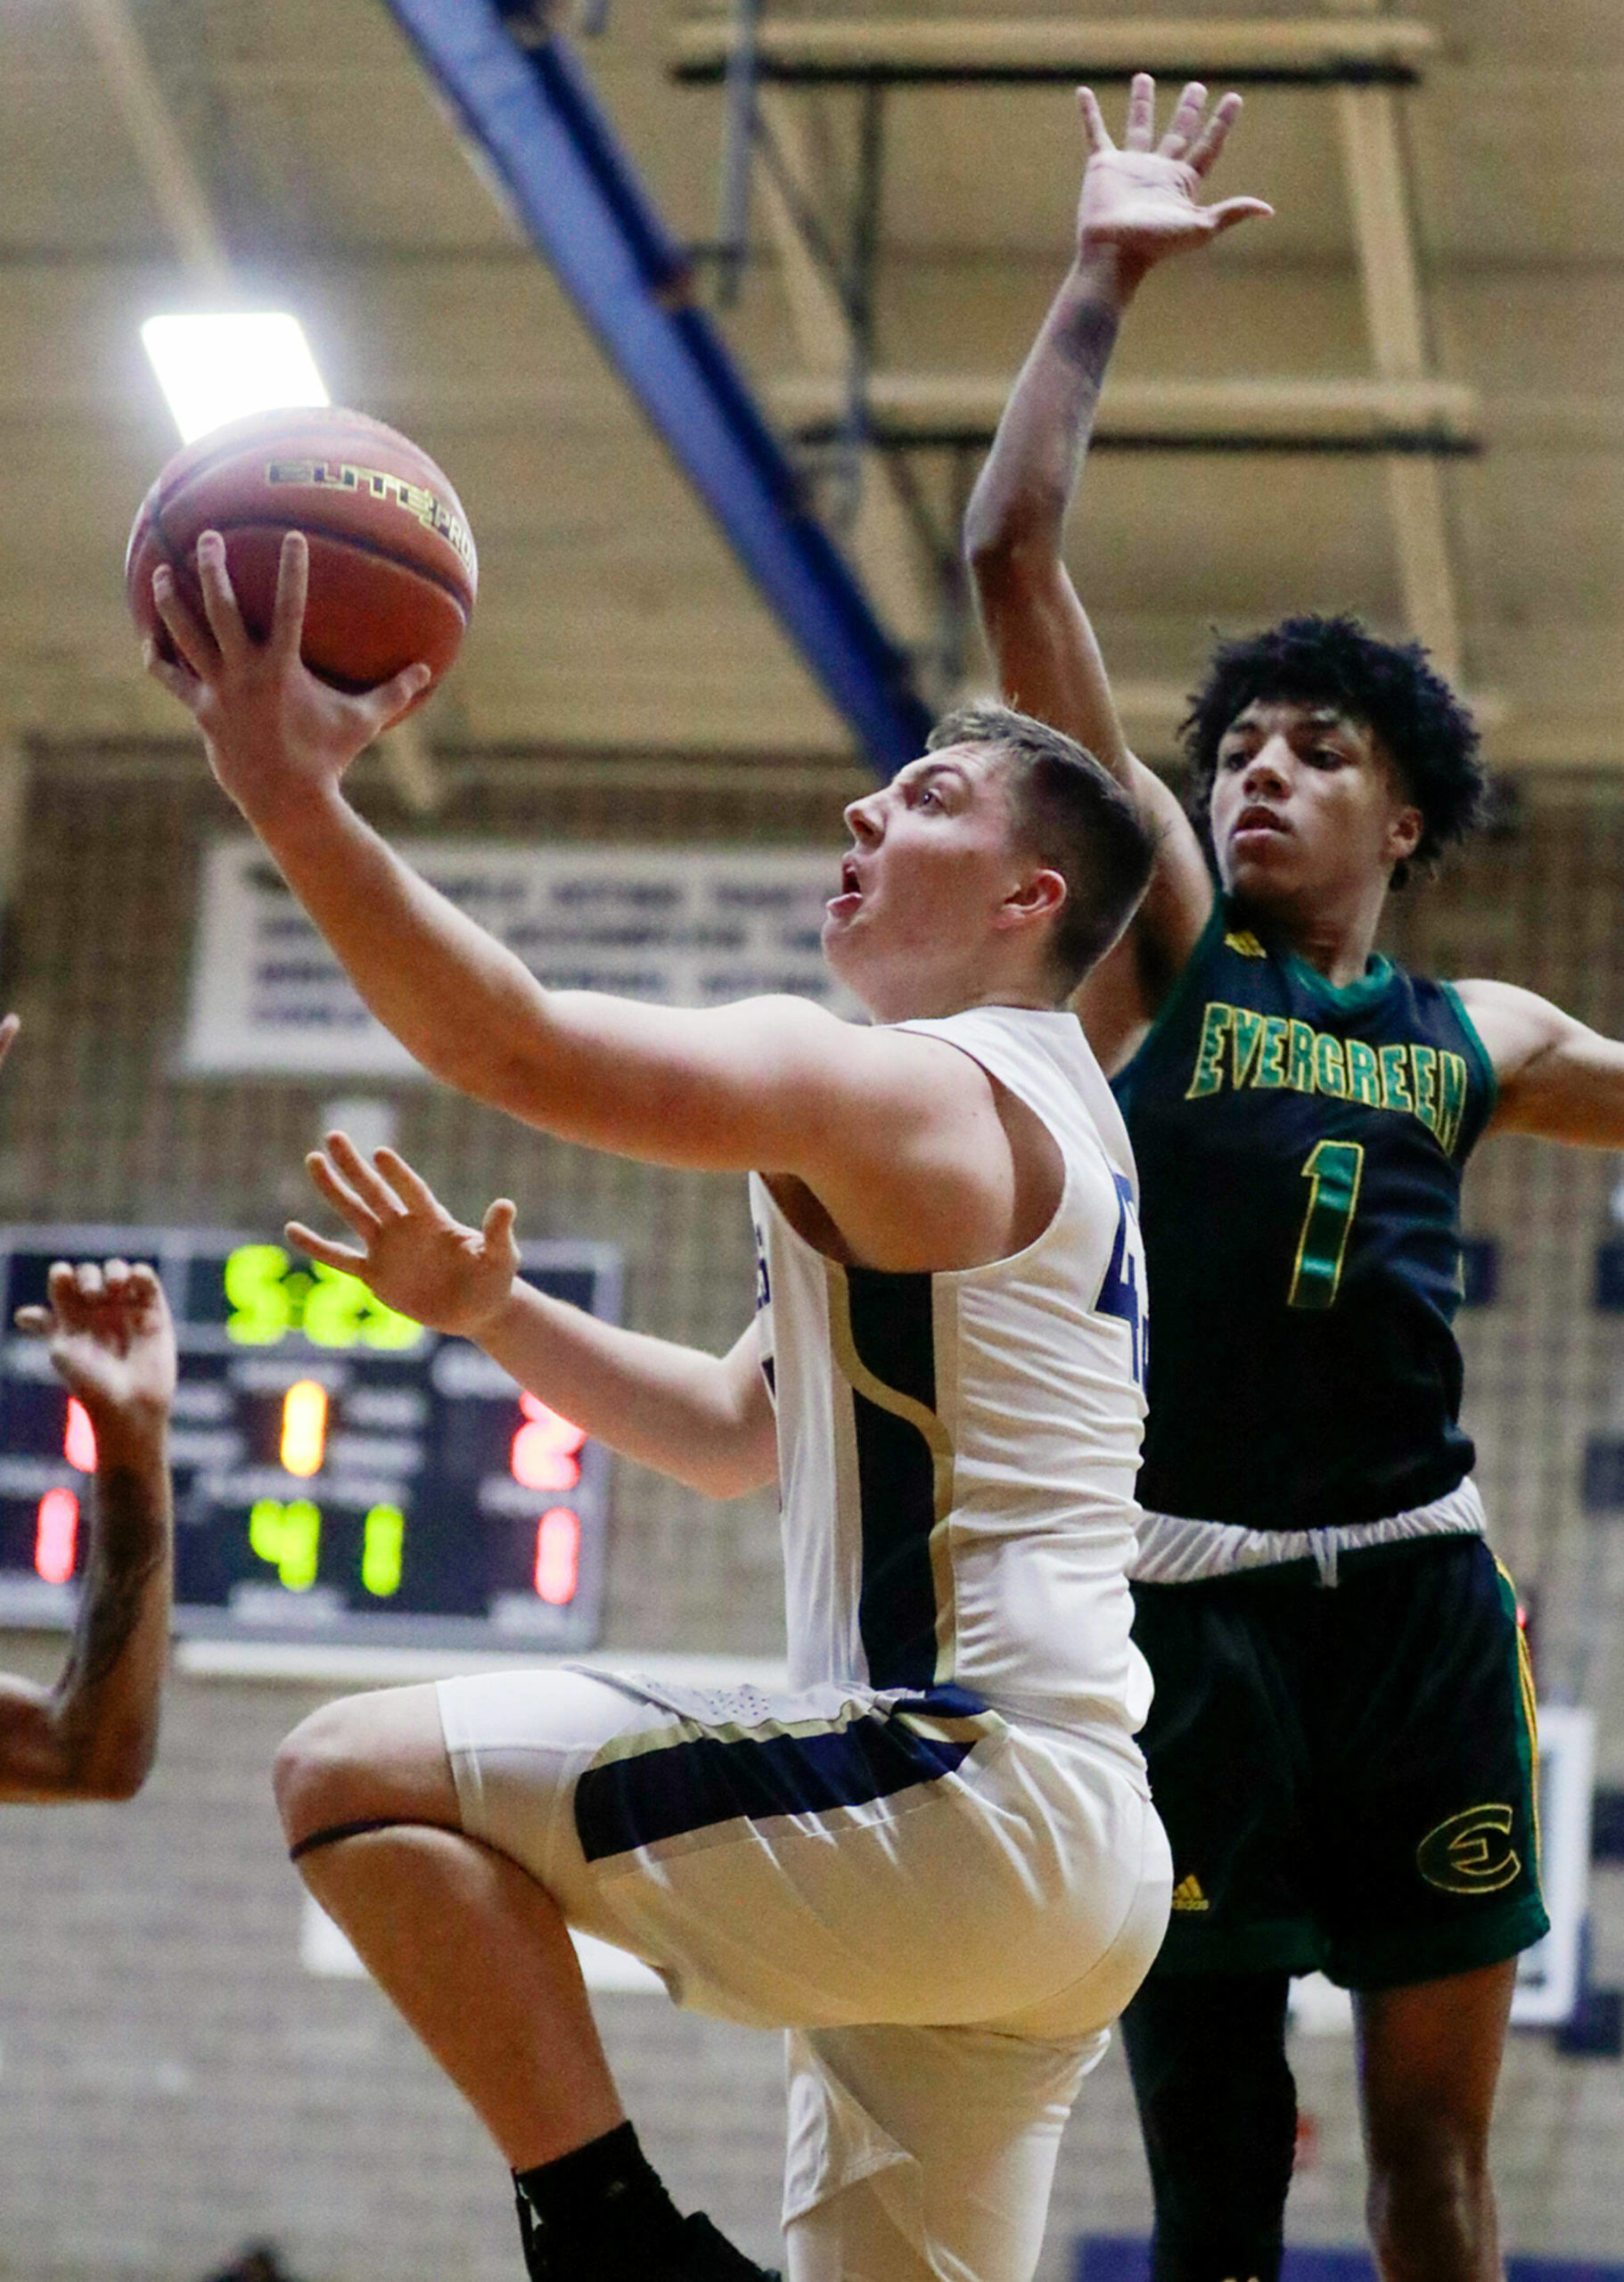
(342,538)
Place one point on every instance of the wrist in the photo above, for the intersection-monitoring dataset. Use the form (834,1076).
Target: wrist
(290,811)
(1105,274)
(134,1432)
(489,1329)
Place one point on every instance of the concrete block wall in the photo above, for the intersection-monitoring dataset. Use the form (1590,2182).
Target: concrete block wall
(173,2083)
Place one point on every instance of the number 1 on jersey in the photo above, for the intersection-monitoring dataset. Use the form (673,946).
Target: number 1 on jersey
(1334,1171)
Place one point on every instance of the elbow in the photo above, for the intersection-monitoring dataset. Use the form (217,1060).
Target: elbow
(736,1464)
(112,1781)
(724,1479)
(1009,563)
(111,1769)
(1004,534)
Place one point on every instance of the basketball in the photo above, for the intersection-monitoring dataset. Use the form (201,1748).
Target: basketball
(393,571)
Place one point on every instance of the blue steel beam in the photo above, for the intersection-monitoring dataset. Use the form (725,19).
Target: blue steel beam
(525,101)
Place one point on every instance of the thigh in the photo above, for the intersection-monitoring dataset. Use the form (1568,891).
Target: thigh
(924,2152)
(1228,1755)
(853,2238)
(518,1744)
(1429,2063)
(828,1857)
(1428,1840)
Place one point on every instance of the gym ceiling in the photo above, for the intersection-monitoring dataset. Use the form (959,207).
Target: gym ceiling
(319,173)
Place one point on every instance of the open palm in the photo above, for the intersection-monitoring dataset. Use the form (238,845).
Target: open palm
(1144,198)
(414,1254)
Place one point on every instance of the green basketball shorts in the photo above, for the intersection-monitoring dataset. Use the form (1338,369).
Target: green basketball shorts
(1346,1771)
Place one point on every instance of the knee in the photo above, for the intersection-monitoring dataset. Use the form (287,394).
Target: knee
(1218,2108)
(319,1776)
(1429,2204)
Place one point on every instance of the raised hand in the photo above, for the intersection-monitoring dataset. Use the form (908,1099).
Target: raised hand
(414,1256)
(1143,199)
(276,735)
(111,1341)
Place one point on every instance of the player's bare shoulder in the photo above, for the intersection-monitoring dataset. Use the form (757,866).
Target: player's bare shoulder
(918,1163)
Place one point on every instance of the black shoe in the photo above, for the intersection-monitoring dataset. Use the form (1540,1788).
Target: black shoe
(707,2256)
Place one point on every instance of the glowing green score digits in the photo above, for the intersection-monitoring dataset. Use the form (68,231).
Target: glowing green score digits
(270,1298)
(289,1538)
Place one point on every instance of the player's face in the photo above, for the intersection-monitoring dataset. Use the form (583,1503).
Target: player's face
(1305,805)
(924,885)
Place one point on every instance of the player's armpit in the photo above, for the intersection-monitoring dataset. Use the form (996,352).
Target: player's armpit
(1556,1077)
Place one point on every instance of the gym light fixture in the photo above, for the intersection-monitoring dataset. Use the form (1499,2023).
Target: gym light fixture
(217,368)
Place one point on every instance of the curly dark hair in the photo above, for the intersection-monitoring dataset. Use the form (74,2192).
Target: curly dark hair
(1389,686)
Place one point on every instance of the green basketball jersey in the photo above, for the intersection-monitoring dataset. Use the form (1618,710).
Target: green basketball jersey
(1300,1150)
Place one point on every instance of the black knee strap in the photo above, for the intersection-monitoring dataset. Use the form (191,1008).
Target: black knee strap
(1217,2109)
(335,1831)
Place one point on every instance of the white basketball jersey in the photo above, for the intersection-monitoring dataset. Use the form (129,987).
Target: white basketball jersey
(957,1452)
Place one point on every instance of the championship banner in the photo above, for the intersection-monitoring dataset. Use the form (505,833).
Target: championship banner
(689,926)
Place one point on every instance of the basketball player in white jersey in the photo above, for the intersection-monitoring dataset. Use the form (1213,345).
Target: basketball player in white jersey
(934,1861)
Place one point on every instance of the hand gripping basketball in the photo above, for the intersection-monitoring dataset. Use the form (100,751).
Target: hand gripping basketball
(394,571)
(276,736)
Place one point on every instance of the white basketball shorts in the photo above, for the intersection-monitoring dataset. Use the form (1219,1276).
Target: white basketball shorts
(947,1909)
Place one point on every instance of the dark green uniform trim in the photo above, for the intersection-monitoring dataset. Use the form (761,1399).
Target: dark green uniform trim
(1488,1076)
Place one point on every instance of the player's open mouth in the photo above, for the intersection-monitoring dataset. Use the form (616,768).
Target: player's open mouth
(1256,823)
(851,894)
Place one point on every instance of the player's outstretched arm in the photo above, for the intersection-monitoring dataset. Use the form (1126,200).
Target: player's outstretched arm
(1139,204)
(775,1083)
(704,1419)
(1557,1077)
(92,1736)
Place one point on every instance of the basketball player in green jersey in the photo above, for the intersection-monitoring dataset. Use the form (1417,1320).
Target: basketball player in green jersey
(1341,1739)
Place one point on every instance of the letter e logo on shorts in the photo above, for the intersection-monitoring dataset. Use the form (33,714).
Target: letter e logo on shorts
(1470,1853)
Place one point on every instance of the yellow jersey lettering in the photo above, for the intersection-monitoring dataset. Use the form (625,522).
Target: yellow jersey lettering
(1452,1100)
(1274,1052)
(1396,1079)
(1208,1077)
(1330,1070)
(1425,1060)
(1271,1055)
(1246,943)
(1300,1059)
(1364,1074)
(1246,1026)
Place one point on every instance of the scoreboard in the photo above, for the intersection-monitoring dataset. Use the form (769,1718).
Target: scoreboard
(342,1473)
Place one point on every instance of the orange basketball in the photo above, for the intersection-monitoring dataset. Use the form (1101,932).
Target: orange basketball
(393,571)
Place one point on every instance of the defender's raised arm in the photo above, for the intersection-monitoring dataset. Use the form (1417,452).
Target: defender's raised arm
(1139,204)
